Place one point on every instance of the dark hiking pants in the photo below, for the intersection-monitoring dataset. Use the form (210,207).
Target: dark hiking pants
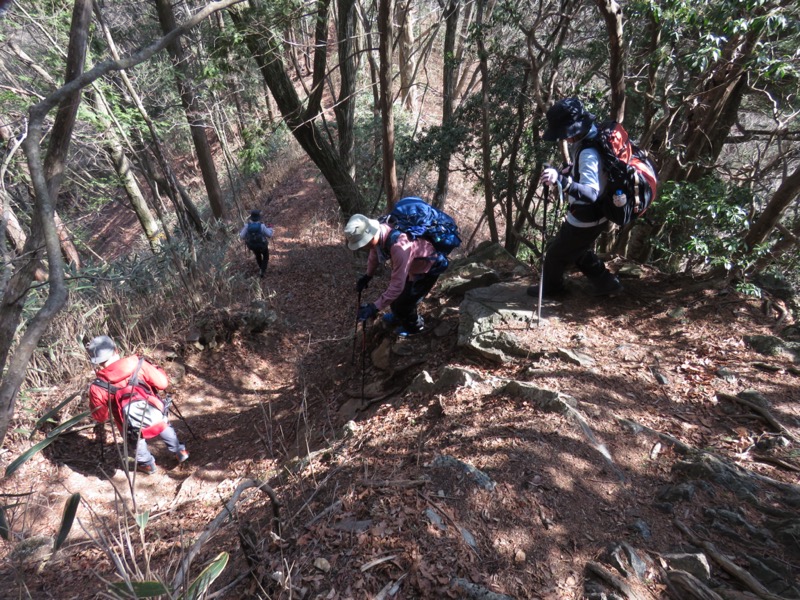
(262,258)
(404,307)
(573,246)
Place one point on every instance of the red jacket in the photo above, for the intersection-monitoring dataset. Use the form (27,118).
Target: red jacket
(117,374)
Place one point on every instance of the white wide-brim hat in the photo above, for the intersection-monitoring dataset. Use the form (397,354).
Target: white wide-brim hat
(101,349)
(360,231)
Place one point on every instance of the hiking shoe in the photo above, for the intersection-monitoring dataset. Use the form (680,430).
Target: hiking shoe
(533,290)
(608,285)
(182,455)
(411,329)
(146,469)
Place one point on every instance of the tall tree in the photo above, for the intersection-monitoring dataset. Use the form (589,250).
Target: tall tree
(194,113)
(449,79)
(345,108)
(266,51)
(390,187)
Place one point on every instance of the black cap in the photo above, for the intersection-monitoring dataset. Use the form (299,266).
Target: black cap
(255,215)
(567,118)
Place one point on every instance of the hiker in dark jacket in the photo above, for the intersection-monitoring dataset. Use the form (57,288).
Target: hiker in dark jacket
(411,278)
(256,236)
(108,394)
(583,183)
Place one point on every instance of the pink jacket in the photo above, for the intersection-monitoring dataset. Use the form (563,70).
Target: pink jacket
(409,259)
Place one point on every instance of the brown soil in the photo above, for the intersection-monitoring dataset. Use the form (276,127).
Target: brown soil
(257,403)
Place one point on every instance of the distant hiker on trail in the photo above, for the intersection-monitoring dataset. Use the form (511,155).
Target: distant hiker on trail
(256,236)
(127,388)
(416,265)
(583,183)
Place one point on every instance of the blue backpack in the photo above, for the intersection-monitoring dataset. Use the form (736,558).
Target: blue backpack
(254,238)
(418,219)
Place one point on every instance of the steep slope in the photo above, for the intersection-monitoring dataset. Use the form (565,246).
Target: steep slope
(468,489)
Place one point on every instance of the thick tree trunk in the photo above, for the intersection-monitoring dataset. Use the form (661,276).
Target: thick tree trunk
(191,106)
(265,50)
(449,77)
(387,114)
(345,108)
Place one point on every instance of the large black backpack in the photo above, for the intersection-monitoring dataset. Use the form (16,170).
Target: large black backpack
(632,178)
(254,238)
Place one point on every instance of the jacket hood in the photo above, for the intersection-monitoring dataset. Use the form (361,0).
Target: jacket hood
(120,370)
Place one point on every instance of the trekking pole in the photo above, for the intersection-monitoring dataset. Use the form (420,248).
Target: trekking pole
(173,408)
(363,358)
(355,332)
(545,198)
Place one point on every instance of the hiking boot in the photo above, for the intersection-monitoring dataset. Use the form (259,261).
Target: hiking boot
(146,469)
(607,285)
(411,329)
(182,455)
(533,290)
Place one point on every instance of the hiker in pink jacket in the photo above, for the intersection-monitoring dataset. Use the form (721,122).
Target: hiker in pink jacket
(412,277)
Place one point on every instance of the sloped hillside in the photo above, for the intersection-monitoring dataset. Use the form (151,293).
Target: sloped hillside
(636,447)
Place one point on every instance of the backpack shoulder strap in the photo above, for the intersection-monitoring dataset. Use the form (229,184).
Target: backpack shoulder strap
(102,383)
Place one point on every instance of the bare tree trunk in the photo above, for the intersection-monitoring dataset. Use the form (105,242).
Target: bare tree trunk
(46,179)
(67,245)
(786,193)
(373,67)
(387,114)
(345,108)
(191,106)
(124,171)
(265,50)
(612,15)
(182,203)
(404,17)
(486,150)
(449,77)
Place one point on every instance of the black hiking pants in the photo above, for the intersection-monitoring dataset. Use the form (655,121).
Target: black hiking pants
(262,258)
(404,307)
(573,246)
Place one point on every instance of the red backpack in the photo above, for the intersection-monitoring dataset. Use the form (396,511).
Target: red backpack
(632,178)
(136,405)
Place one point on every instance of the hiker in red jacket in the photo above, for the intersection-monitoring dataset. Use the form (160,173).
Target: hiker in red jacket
(127,387)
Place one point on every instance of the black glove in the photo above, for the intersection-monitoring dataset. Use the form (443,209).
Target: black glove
(367,311)
(363,282)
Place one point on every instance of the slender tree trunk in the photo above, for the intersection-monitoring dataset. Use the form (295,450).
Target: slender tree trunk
(612,15)
(404,17)
(182,203)
(486,150)
(787,192)
(46,178)
(67,245)
(449,77)
(345,108)
(124,170)
(191,106)
(387,114)
(373,66)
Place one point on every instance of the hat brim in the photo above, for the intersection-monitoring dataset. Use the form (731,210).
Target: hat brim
(563,132)
(370,231)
